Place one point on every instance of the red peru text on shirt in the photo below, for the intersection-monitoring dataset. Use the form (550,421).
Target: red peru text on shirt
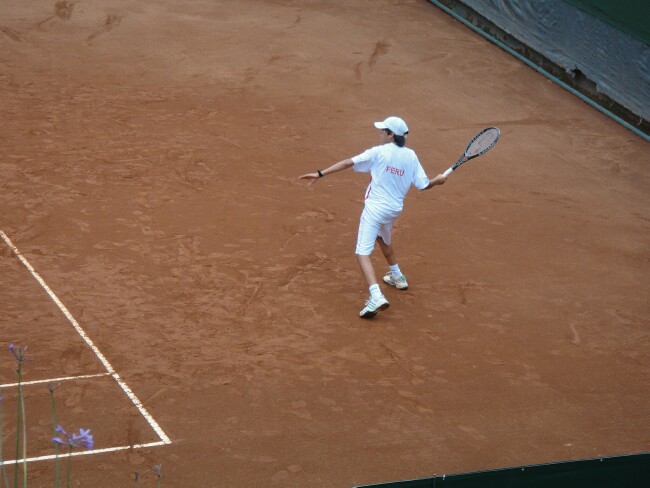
(395,171)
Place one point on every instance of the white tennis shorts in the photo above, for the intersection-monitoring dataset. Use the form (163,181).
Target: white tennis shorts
(371,227)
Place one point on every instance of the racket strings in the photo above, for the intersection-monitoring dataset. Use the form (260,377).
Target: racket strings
(482,142)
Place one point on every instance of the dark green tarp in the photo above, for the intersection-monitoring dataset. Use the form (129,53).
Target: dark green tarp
(631,16)
(632,471)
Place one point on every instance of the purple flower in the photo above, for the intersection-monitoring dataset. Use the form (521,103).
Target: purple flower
(18,352)
(83,439)
(60,440)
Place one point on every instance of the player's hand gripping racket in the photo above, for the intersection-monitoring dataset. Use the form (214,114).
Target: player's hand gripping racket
(482,143)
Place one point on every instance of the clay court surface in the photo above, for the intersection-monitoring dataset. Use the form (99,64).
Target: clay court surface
(149,155)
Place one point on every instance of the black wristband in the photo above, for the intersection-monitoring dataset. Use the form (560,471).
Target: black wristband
(320,173)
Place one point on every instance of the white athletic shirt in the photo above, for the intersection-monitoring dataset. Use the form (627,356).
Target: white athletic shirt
(393,170)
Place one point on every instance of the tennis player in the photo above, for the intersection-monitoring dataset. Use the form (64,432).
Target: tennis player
(393,169)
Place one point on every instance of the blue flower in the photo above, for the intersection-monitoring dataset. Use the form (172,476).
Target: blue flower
(59,440)
(18,352)
(83,439)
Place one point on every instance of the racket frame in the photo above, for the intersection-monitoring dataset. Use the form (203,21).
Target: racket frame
(464,157)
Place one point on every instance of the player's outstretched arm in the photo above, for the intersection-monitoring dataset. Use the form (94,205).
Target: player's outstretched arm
(340,166)
(438,180)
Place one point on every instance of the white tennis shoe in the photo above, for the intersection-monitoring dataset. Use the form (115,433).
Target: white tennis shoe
(374,305)
(399,283)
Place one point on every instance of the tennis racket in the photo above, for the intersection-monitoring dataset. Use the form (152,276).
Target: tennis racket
(480,144)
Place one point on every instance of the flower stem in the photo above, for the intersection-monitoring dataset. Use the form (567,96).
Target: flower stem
(57,480)
(69,466)
(24,422)
(2,466)
(18,429)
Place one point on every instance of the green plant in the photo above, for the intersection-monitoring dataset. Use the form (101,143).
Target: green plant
(3,470)
(20,356)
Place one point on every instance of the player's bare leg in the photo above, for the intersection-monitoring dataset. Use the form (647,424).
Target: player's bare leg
(388,251)
(377,300)
(394,277)
(367,269)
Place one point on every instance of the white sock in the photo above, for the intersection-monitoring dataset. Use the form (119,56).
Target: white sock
(375,291)
(394,270)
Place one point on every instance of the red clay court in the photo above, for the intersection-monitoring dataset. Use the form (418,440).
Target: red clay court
(149,155)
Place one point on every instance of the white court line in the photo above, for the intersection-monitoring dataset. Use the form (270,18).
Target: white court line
(82,453)
(54,380)
(154,425)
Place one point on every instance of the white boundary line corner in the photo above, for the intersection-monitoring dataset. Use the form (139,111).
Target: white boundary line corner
(164,439)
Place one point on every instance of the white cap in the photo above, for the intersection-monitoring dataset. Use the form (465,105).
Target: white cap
(396,125)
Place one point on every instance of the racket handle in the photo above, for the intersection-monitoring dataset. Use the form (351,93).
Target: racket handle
(448,172)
